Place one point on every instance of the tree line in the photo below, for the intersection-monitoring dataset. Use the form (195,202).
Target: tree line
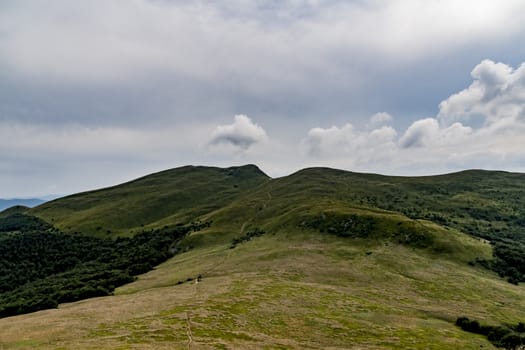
(41,267)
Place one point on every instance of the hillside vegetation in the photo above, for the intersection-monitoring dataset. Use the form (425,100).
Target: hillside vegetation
(320,259)
(41,267)
(168,197)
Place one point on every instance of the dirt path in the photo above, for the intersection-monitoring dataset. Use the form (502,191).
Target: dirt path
(188,317)
(188,330)
(242,227)
(265,204)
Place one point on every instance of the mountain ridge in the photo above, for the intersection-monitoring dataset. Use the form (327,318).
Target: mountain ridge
(155,196)
(488,205)
(322,258)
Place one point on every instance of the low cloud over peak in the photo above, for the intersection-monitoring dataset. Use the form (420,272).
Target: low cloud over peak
(241,134)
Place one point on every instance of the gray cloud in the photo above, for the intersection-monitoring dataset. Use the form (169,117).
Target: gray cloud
(347,142)
(109,89)
(119,62)
(378,119)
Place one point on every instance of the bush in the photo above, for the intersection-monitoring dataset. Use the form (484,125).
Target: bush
(501,336)
(247,236)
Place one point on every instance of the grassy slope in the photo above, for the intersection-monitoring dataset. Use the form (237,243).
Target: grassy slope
(172,196)
(295,287)
(292,290)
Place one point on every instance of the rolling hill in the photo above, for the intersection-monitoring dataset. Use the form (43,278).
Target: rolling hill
(170,196)
(320,259)
(7,203)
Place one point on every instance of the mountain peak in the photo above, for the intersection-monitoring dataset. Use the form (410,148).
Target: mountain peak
(247,170)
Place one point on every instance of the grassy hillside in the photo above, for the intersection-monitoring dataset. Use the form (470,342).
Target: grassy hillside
(341,260)
(488,204)
(177,195)
(485,204)
(292,290)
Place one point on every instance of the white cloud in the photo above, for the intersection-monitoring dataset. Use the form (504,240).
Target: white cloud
(428,133)
(241,134)
(419,133)
(494,105)
(325,141)
(380,118)
(348,147)
(496,96)
(442,143)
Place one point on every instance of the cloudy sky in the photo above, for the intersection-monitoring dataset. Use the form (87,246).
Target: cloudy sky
(94,93)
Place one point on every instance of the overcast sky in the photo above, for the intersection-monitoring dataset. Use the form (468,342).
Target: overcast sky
(94,93)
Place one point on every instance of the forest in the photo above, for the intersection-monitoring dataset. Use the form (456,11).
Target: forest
(41,267)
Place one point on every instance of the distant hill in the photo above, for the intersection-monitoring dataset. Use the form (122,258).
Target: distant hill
(30,202)
(322,258)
